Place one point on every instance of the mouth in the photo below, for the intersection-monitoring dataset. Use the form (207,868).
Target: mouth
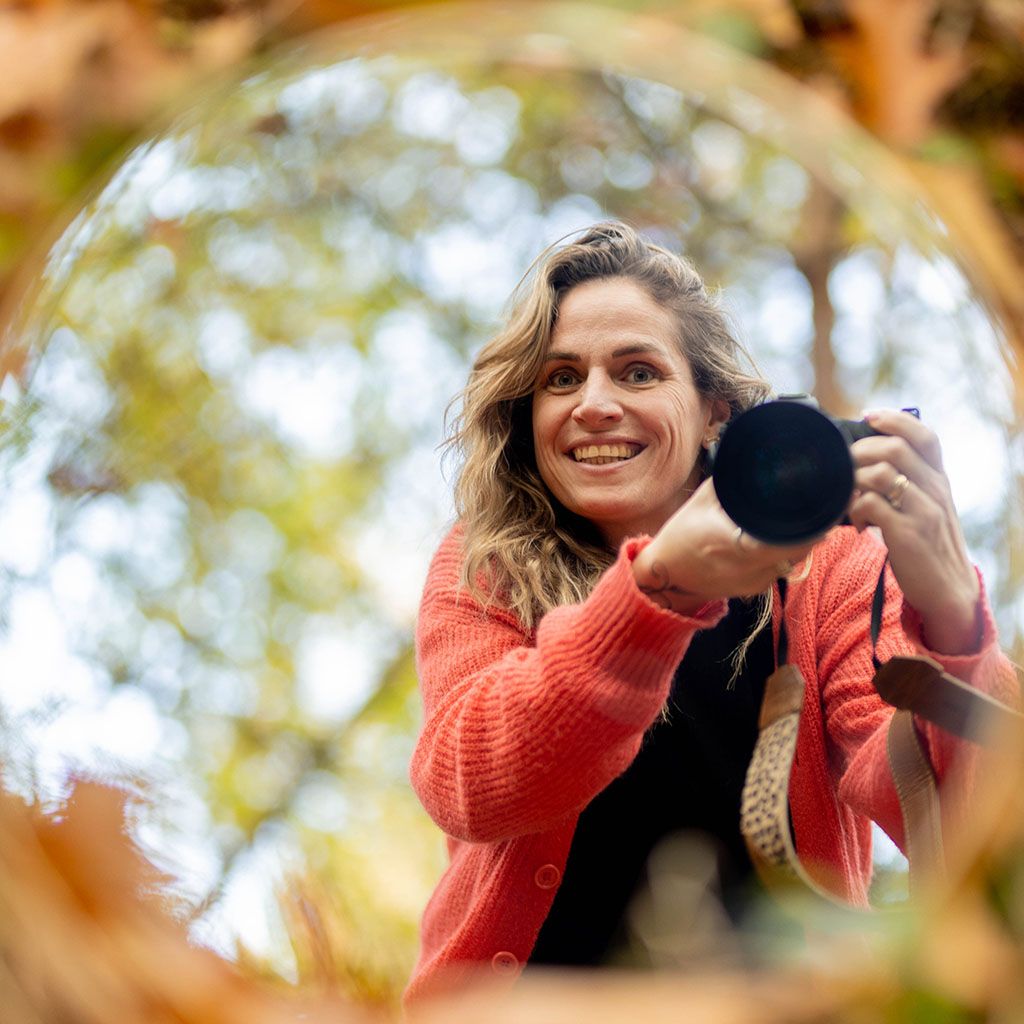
(602,454)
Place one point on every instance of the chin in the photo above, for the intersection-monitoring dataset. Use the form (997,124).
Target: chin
(621,523)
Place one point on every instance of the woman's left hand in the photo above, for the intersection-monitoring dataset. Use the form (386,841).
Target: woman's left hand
(901,487)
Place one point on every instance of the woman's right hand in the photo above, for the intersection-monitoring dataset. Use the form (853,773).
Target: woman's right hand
(700,555)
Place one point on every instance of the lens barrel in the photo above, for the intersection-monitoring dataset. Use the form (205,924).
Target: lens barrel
(783,472)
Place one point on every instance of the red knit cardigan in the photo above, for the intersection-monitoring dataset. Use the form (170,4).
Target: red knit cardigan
(522,729)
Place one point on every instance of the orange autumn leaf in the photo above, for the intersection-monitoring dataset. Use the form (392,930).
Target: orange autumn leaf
(84,935)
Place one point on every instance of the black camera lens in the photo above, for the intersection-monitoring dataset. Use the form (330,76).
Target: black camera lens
(783,472)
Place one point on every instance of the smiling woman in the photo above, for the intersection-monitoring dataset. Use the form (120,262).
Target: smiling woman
(617,419)
(577,624)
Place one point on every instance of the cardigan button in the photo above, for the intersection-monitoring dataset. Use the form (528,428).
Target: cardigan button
(547,877)
(504,962)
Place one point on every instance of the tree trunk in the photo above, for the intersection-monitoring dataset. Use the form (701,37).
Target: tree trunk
(817,251)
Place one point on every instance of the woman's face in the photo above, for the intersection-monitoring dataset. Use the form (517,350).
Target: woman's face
(617,421)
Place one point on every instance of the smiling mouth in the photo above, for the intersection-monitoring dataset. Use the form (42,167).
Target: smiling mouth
(600,454)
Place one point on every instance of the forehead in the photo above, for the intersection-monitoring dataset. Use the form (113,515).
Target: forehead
(613,309)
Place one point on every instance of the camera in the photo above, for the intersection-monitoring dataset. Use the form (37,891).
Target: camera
(783,470)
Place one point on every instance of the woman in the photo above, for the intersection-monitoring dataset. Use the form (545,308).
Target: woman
(573,625)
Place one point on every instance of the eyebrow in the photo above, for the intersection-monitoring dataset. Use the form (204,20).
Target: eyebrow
(628,350)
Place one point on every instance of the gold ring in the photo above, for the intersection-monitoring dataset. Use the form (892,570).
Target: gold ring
(897,491)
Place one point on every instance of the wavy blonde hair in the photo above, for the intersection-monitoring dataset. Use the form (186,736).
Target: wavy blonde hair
(521,545)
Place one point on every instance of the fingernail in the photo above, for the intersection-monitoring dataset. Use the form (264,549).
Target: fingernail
(870,414)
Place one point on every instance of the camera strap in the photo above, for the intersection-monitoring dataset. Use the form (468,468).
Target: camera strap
(914,685)
(919,684)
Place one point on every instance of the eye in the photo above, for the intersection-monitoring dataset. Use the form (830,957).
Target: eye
(563,378)
(641,373)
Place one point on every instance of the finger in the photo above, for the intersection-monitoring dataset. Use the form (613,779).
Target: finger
(742,540)
(789,559)
(782,569)
(768,562)
(918,435)
(885,479)
(796,553)
(918,517)
(870,508)
(768,554)
(896,455)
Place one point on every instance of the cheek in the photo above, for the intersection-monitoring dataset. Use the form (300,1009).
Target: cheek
(538,442)
(690,422)
(545,427)
(542,442)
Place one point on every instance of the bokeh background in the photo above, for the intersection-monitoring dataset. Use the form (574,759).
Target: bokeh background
(246,253)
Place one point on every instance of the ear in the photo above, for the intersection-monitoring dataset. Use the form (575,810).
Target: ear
(718,416)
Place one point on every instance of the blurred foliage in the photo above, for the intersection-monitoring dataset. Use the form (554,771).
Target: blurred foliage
(85,939)
(940,83)
(218,441)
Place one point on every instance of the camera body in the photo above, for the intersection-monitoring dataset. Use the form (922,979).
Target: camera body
(783,470)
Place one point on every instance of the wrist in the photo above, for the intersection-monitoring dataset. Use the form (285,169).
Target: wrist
(955,628)
(654,580)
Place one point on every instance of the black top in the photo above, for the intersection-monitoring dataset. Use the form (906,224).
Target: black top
(688,776)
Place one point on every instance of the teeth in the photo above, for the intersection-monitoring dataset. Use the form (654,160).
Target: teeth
(599,454)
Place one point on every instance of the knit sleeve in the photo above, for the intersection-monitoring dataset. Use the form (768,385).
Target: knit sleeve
(522,730)
(857,719)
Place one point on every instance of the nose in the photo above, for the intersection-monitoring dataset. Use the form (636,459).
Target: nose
(597,402)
